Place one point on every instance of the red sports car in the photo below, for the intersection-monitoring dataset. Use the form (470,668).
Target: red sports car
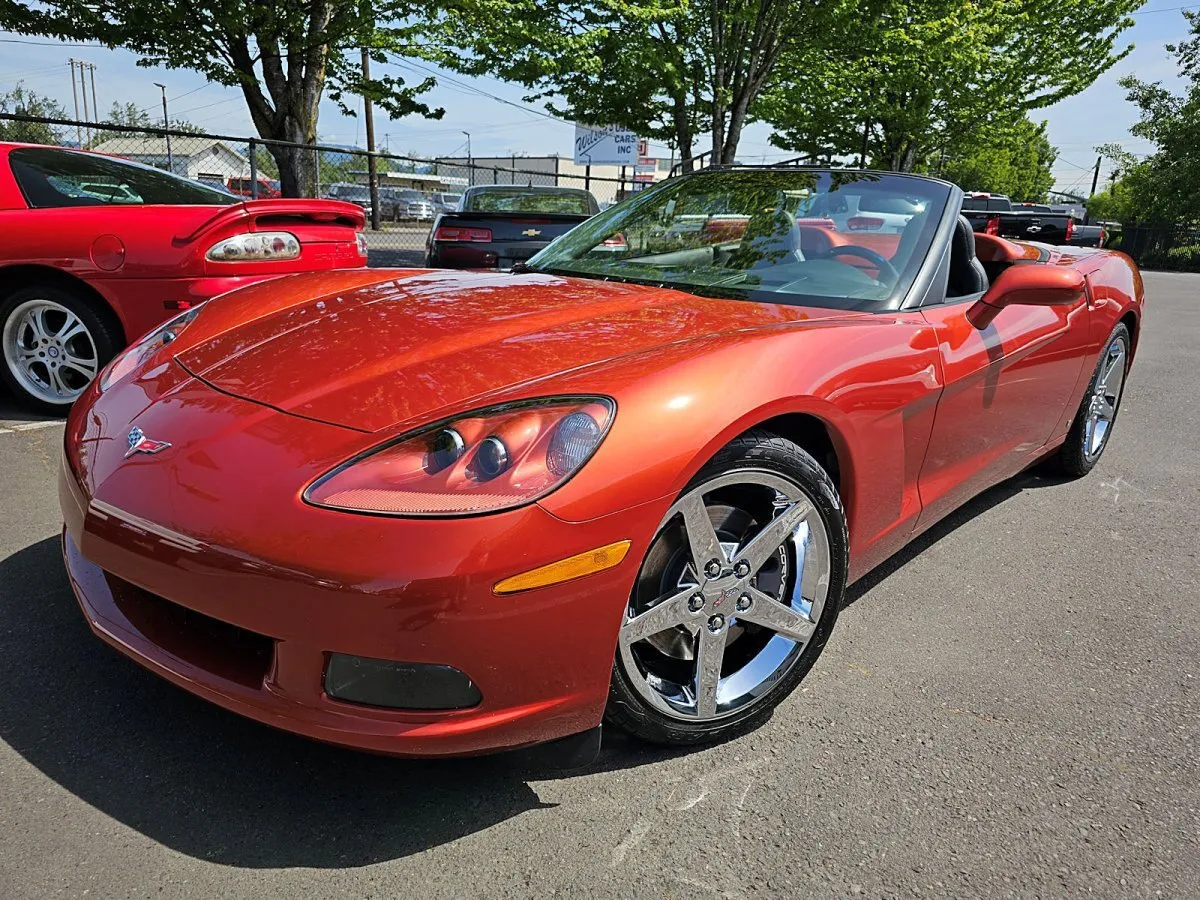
(431,512)
(96,251)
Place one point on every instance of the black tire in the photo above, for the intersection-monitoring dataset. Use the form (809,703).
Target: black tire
(757,450)
(1072,459)
(105,335)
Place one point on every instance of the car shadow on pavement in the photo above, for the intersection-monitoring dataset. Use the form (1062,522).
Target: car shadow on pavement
(208,783)
(213,785)
(13,412)
(1039,476)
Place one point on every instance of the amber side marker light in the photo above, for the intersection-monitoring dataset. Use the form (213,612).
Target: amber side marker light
(567,569)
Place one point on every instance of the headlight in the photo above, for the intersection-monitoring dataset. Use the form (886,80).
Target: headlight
(134,356)
(362,244)
(260,245)
(479,462)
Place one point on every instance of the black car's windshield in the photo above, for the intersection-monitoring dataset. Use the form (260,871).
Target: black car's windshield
(842,239)
(530,199)
(353,192)
(51,178)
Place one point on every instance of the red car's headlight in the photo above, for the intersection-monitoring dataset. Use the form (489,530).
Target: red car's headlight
(478,462)
(138,353)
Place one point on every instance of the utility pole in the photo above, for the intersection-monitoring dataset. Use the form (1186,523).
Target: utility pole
(87,128)
(470,169)
(166,127)
(372,165)
(1095,177)
(75,97)
(95,106)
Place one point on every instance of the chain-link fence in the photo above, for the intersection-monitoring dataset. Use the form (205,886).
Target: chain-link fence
(411,191)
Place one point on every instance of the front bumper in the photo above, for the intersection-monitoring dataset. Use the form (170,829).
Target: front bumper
(150,541)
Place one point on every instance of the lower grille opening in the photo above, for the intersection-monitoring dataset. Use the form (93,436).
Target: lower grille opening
(230,652)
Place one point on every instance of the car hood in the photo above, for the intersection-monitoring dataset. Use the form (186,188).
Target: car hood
(372,349)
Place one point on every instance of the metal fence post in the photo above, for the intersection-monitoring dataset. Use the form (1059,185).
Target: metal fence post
(253,171)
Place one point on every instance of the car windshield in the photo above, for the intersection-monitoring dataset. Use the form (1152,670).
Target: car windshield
(531,199)
(50,177)
(850,240)
(353,192)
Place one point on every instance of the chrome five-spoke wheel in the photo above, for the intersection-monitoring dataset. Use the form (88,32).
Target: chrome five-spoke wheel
(735,596)
(1092,427)
(1105,396)
(49,351)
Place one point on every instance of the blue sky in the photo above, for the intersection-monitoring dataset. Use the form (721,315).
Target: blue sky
(1098,115)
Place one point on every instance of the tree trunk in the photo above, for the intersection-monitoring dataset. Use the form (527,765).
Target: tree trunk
(290,112)
(717,119)
(297,170)
(737,120)
(683,131)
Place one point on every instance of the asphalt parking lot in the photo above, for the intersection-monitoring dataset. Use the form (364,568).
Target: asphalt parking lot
(1007,709)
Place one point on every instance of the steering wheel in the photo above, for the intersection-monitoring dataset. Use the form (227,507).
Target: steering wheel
(879,262)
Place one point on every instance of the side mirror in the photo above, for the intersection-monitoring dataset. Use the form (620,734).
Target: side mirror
(1027,285)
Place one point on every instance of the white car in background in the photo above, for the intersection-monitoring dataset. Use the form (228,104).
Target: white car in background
(881,215)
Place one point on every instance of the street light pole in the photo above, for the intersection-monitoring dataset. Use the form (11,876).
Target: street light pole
(470,170)
(167,126)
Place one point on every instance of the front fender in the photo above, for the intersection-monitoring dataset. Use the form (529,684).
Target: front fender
(873,381)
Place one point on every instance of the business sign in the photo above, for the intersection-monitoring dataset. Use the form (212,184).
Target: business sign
(605,145)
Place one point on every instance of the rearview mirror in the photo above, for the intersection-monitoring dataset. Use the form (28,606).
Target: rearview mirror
(1027,285)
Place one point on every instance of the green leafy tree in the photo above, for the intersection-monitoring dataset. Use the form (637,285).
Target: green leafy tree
(23,102)
(284,55)
(1113,204)
(129,114)
(668,69)
(913,75)
(133,116)
(1014,160)
(1163,188)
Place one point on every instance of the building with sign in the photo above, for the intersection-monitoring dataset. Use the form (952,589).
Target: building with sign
(606,182)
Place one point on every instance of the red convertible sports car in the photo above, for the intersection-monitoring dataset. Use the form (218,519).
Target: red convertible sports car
(95,251)
(432,513)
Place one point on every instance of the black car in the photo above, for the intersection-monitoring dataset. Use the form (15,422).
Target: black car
(499,225)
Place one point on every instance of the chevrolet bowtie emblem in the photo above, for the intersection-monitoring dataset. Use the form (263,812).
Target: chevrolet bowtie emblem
(531,232)
(139,443)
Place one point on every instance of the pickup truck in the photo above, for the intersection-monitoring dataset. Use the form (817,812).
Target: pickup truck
(997,214)
(500,225)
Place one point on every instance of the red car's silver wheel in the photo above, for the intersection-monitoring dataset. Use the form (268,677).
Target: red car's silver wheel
(731,592)
(49,351)
(1106,395)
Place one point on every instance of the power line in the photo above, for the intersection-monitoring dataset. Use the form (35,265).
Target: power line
(154,106)
(50,43)
(1150,12)
(29,73)
(464,86)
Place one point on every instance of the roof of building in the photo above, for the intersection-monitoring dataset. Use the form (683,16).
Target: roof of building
(147,145)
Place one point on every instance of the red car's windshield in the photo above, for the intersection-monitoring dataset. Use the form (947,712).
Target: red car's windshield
(50,177)
(827,238)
